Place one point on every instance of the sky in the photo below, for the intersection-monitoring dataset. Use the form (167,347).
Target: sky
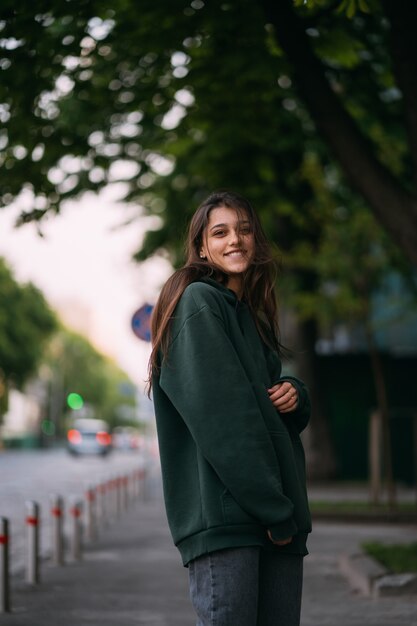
(83,265)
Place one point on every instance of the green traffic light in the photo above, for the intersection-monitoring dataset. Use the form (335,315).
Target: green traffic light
(75,401)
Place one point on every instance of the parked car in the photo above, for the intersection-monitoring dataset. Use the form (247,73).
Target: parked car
(127,438)
(89,436)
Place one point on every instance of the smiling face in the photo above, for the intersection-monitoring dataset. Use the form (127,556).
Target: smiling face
(228,242)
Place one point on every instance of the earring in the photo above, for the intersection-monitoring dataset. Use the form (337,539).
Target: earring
(202,256)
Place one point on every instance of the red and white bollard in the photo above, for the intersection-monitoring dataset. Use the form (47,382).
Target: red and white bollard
(4,566)
(76,511)
(125,492)
(118,481)
(90,513)
(57,529)
(102,504)
(143,490)
(138,481)
(111,498)
(141,483)
(32,547)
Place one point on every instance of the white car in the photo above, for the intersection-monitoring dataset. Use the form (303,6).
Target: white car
(89,436)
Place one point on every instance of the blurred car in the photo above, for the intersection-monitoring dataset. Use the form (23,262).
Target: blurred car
(89,436)
(126,438)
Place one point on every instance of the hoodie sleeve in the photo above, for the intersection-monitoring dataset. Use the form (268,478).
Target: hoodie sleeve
(205,381)
(300,417)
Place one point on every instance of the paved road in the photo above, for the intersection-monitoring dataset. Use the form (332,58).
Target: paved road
(133,576)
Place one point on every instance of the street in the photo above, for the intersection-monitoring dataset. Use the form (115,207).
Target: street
(36,474)
(133,575)
(134,564)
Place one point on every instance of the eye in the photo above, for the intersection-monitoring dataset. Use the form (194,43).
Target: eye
(218,233)
(245,230)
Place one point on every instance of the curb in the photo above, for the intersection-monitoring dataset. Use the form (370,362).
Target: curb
(369,577)
(364,518)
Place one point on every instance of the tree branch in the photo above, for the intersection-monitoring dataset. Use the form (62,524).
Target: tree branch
(393,206)
(403,44)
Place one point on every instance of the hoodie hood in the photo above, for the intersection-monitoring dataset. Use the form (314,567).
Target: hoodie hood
(228,293)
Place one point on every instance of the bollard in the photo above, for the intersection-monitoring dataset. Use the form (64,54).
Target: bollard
(32,554)
(111,498)
(76,529)
(102,504)
(4,566)
(143,483)
(133,485)
(139,483)
(57,529)
(90,513)
(118,485)
(125,492)
(108,500)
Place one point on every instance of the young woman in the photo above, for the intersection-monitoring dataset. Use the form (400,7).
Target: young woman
(228,424)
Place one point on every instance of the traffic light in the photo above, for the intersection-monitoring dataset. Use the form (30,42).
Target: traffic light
(75,401)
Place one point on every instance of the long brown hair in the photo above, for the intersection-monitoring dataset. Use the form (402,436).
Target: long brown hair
(258,284)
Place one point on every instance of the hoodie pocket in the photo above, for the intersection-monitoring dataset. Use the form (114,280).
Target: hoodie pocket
(290,455)
(232,512)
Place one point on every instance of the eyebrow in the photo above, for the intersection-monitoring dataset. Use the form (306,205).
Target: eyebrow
(242,222)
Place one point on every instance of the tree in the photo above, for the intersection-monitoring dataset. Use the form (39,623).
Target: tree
(347,291)
(26,322)
(72,365)
(392,198)
(88,84)
(179,102)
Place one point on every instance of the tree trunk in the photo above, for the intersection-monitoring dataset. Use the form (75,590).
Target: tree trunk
(320,454)
(382,402)
(394,207)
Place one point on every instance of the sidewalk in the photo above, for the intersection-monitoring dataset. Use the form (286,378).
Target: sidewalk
(133,576)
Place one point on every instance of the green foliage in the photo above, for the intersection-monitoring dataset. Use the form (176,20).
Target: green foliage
(26,322)
(73,365)
(200,97)
(349,7)
(202,85)
(398,558)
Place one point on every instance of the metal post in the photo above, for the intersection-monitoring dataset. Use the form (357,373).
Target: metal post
(125,492)
(118,482)
(32,555)
(4,566)
(136,475)
(112,497)
(57,523)
(375,435)
(102,504)
(143,477)
(76,529)
(90,513)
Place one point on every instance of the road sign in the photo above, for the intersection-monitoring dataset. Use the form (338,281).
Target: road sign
(141,322)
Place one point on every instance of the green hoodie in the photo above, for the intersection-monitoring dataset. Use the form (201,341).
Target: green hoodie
(232,466)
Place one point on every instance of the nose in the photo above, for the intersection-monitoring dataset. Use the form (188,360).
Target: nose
(234,237)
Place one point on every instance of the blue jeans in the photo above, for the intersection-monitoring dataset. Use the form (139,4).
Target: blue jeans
(247,587)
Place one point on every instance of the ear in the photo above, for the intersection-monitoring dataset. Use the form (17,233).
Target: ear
(203,254)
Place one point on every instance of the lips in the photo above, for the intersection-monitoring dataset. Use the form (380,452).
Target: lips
(235,253)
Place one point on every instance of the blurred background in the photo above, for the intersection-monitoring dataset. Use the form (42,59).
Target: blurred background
(118,118)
